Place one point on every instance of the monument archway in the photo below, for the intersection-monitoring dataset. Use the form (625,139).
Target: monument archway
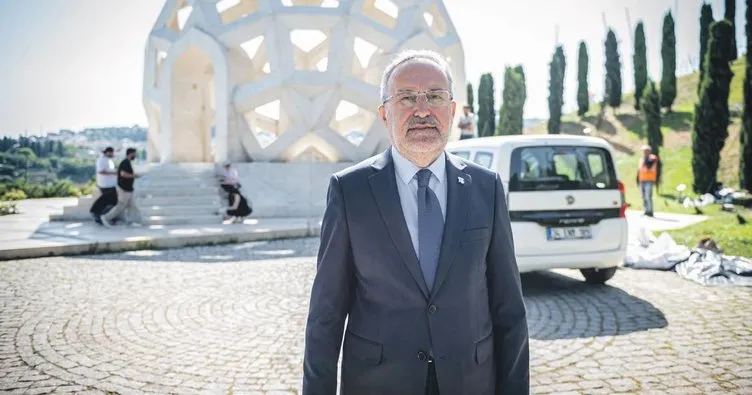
(193,107)
(195,99)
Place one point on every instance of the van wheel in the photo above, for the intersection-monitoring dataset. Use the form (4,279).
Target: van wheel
(598,276)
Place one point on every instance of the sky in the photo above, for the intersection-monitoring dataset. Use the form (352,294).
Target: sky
(72,64)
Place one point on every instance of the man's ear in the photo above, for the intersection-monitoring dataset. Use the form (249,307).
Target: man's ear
(382,113)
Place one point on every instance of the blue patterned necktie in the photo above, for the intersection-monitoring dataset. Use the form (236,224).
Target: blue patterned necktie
(430,228)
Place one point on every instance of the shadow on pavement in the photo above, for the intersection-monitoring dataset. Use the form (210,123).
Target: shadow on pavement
(562,307)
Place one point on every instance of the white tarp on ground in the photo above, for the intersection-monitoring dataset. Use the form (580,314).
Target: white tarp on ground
(701,265)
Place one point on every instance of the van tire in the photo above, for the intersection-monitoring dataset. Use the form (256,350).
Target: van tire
(598,276)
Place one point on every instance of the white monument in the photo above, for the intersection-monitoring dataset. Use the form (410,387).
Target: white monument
(271,85)
(281,80)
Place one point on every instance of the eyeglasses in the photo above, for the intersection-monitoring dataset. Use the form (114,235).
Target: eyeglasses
(434,98)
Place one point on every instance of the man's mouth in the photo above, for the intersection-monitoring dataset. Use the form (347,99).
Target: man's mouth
(423,126)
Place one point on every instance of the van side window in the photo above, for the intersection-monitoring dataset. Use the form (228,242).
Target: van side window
(462,154)
(483,159)
(531,168)
(566,165)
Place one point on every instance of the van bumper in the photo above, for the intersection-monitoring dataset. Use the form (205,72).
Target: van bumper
(601,260)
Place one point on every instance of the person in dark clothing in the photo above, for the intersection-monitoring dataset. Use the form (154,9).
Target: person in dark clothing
(239,207)
(126,201)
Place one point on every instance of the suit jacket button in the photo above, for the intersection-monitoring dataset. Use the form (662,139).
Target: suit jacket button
(432,309)
(422,356)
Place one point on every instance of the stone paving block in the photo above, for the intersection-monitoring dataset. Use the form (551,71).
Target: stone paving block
(197,324)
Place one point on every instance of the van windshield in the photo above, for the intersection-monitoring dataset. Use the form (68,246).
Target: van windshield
(561,168)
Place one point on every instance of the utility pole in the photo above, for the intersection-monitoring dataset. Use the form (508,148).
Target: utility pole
(556,35)
(629,26)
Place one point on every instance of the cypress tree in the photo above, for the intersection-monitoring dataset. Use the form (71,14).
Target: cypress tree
(613,70)
(583,100)
(651,110)
(730,15)
(640,63)
(706,18)
(711,117)
(513,102)
(470,97)
(745,159)
(486,111)
(556,90)
(668,55)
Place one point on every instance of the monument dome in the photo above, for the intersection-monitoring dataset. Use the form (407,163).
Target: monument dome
(281,80)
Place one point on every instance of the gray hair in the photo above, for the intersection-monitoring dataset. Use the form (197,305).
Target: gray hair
(411,54)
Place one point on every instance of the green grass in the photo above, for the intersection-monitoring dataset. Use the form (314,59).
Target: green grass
(677,169)
(723,227)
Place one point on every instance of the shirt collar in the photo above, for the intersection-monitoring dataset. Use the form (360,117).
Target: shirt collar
(406,170)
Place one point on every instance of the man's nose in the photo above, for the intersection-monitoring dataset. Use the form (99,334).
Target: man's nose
(422,108)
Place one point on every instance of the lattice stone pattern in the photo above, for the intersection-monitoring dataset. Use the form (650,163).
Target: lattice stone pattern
(281,80)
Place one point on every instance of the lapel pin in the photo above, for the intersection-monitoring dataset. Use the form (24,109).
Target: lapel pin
(460,180)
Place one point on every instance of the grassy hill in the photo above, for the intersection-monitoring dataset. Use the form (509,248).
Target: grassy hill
(623,128)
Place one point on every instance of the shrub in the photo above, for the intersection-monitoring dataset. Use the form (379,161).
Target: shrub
(14,194)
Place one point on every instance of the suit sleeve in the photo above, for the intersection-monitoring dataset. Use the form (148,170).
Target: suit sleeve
(330,298)
(511,348)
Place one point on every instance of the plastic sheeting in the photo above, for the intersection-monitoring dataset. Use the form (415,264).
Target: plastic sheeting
(701,265)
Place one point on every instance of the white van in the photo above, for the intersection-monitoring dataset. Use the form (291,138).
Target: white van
(565,199)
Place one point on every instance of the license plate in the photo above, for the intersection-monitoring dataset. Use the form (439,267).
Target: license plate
(569,233)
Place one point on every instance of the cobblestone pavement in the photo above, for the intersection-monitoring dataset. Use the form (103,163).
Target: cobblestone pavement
(230,320)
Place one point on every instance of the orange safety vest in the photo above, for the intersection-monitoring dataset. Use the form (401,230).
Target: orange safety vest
(646,173)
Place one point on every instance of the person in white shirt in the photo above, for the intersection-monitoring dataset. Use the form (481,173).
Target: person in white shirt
(229,176)
(106,182)
(468,124)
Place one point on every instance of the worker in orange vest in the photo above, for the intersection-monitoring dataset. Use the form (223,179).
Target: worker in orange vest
(648,176)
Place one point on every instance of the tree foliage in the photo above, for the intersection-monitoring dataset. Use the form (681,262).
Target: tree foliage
(513,102)
(745,160)
(651,111)
(711,118)
(706,18)
(470,97)
(583,97)
(486,109)
(613,70)
(557,68)
(668,56)
(640,63)
(730,15)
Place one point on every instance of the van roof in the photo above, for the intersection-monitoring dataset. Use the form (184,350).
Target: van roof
(526,139)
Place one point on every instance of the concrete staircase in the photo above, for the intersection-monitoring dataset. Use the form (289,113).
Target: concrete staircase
(180,194)
(167,194)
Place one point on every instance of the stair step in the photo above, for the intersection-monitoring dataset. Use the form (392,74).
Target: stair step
(186,180)
(179,210)
(200,200)
(172,192)
(182,219)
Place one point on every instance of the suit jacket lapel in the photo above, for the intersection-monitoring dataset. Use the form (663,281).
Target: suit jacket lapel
(456,212)
(384,189)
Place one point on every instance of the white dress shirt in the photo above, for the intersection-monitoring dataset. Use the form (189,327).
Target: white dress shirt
(407,186)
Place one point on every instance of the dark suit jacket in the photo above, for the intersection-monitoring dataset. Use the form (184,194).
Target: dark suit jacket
(474,320)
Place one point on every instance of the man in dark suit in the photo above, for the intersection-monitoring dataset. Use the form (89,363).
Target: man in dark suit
(417,253)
